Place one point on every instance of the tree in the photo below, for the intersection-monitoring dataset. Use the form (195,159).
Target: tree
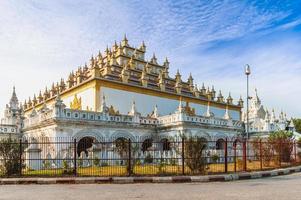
(297,123)
(10,157)
(194,153)
(282,144)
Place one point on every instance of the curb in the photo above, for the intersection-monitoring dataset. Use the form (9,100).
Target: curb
(169,179)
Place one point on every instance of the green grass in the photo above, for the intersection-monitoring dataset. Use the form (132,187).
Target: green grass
(142,170)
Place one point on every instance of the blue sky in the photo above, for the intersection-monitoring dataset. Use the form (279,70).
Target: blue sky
(42,41)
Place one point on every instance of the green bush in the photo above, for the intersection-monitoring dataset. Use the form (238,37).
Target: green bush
(194,149)
(215,158)
(10,155)
(148,159)
(46,164)
(96,161)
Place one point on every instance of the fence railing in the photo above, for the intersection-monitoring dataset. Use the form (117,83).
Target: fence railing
(142,156)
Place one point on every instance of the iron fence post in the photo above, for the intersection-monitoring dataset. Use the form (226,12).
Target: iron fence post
(295,151)
(245,155)
(74,158)
(130,159)
(20,157)
(235,143)
(260,152)
(226,156)
(183,156)
(280,152)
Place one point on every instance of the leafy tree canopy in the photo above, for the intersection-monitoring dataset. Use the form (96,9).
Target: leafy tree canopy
(297,123)
(284,135)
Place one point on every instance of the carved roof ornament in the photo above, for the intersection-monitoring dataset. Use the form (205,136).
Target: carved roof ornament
(267,116)
(161,82)
(240,102)
(135,54)
(40,97)
(166,63)
(113,60)
(34,100)
(46,94)
(124,42)
(115,46)
(154,59)
(220,97)
(229,99)
(190,82)
(125,74)
(142,47)
(190,111)
(213,92)
(144,78)
(112,111)
(208,94)
(203,90)
(76,103)
(92,61)
(107,52)
(148,67)
(196,91)
(99,56)
(178,76)
(132,63)
(25,105)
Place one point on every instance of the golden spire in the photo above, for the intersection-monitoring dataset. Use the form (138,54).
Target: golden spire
(142,47)
(154,59)
(229,99)
(76,104)
(124,41)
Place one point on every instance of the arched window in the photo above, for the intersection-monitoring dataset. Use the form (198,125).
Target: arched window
(165,144)
(84,144)
(220,144)
(148,143)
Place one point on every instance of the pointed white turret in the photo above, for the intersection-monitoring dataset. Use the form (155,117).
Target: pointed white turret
(267,116)
(273,116)
(227,115)
(208,112)
(133,110)
(291,125)
(180,106)
(155,112)
(103,106)
(14,103)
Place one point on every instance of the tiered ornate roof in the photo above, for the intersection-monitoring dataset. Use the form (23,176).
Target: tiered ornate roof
(126,64)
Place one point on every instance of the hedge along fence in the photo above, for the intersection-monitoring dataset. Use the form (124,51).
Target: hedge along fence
(142,156)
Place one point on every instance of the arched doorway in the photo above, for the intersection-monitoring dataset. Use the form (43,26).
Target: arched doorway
(165,144)
(84,144)
(147,144)
(220,144)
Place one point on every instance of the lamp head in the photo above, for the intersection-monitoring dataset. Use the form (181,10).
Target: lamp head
(247,70)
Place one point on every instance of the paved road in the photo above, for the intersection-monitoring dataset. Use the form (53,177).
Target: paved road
(276,188)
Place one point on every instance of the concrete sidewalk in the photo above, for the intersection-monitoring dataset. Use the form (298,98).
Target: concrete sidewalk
(167,179)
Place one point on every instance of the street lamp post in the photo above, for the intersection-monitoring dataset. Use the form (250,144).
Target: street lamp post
(247,72)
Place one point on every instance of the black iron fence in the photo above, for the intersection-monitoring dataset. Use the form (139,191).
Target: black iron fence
(141,156)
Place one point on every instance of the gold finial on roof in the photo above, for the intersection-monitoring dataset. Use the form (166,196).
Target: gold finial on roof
(76,104)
